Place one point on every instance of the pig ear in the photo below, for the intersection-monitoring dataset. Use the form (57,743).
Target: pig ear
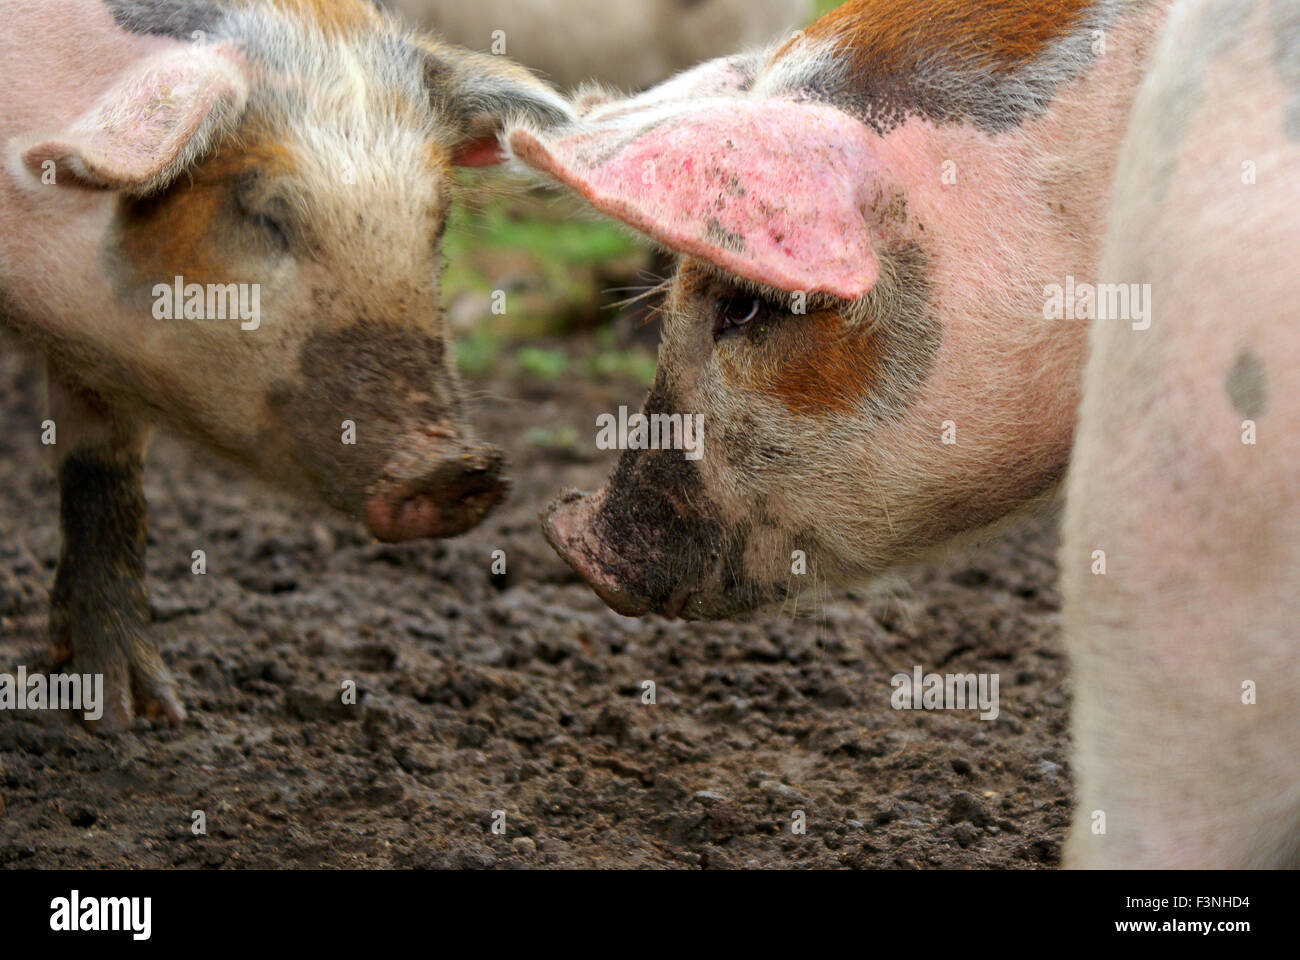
(477,94)
(725,76)
(152,125)
(773,190)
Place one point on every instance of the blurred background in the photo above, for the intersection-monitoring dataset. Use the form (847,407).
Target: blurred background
(572,281)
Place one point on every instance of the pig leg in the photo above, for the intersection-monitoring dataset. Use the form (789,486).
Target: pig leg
(99,606)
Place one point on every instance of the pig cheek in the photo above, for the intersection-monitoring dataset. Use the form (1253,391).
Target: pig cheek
(745,449)
(769,564)
(310,430)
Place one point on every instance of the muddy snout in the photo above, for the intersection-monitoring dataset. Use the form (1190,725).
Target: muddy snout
(569,525)
(436,485)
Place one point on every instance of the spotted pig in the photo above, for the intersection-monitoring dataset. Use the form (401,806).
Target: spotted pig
(226,216)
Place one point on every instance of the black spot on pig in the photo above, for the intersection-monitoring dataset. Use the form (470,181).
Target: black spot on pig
(719,235)
(166,18)
(657,518)
(1247,385)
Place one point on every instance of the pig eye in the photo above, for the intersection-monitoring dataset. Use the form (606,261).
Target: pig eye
(261,214)
(736,312)
(272,228)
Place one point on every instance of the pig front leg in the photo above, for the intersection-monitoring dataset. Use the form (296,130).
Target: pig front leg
(99,605)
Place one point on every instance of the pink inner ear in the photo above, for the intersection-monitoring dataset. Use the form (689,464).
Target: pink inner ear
(142,126)
(485,152)
(770,190)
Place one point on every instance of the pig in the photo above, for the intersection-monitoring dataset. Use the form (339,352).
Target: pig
(868,215)
(628,45)
(167,160)
(875,223)
(1185,477)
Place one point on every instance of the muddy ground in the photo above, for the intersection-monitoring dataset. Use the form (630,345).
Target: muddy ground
(519,693)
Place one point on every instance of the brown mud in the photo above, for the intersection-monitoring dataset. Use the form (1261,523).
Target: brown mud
(519,693)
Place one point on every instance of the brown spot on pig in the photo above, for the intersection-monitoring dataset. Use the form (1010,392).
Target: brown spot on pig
(187,229)
(991,64)
(832,366)
(330,15)
(883,38)
(873,354)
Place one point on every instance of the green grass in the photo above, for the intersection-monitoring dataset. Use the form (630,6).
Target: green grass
(542,364)
(563,438)
(487,351)
(478,354)
(565,242)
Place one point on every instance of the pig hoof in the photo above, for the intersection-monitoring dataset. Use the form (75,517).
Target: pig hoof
(123,706)
(136,686)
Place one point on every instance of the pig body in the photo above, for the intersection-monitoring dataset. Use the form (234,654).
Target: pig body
(628,45)
(930,385)
(1186,470)
(226,216)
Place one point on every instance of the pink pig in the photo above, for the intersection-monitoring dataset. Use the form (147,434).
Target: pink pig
(892,232)
(290,162)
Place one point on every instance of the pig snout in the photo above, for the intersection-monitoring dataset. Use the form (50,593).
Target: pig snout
(633,580)
(569,526)
(437,485)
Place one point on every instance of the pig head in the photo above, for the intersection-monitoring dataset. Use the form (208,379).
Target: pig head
(870,218)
